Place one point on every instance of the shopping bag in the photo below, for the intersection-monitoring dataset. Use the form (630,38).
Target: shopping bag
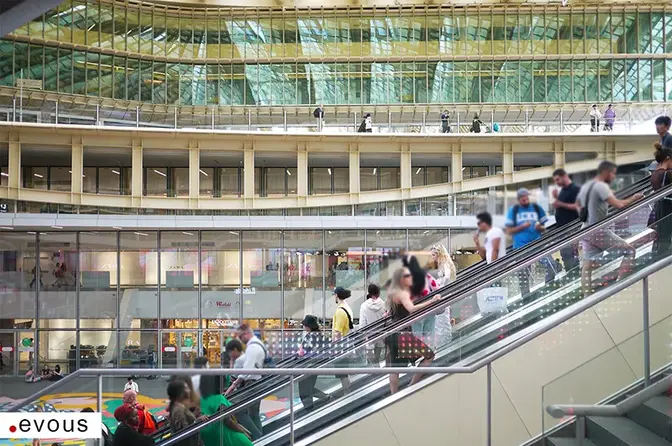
(491,300)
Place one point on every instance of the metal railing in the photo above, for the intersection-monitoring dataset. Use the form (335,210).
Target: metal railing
(547,324)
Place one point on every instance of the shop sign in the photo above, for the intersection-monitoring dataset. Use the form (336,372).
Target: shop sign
(168,349)
(26,345)
(246,290)
(7,349)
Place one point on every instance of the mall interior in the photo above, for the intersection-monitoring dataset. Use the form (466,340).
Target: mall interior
(164,178)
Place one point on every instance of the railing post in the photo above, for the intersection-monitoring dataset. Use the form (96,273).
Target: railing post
(424,121)
(580,430)
(55,120)
(284,119)
(14,109)
(249,120)
(355,114)
(100,394)
(527,121)
(97,114)
(647,340)
(457,121)
(492,121)
(562,122)
(489,404)
(212,119)
(175,118)
(291,410)
(137,116)
(389,121)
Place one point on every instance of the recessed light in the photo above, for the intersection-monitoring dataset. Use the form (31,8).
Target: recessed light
(232,232)
(117,227)
(31,232)
(7,228)
(116,172)
(160,173)
(329,170)
(187,233)
(57,227)
(38,175)
(288,172)
(140,233)
(418,171)
(204,173)
(374,170)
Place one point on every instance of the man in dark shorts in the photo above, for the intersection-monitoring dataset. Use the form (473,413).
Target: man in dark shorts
(566,211)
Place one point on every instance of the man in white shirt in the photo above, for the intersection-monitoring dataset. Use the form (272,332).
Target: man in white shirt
(255,355)
(494,246)
(131,385)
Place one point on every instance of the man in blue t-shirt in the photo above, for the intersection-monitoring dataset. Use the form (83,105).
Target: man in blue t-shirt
(525,223)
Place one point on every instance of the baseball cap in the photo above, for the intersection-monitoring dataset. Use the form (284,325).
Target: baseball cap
(522,192)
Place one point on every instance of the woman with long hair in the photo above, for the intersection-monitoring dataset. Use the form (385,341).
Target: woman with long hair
(423,284)
(229,432)
(372,310)
(403,347)
(180,417)
(445,274)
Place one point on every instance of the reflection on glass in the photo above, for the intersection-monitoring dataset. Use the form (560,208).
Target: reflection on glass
(58,262)
(19,278)
(98,277)
(138,280)
(302,260)
(262,263)
(179,279)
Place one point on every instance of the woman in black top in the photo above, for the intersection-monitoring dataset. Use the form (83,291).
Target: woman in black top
(312,342)
(403,347)
(126,433)
(660,178)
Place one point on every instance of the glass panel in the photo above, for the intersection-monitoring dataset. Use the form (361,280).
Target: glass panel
(303,288)
(58,262)
(98,279)
(345,266)
(179,181)
(156,182)
(220,290)
(19,277)
(138,280)
(60,178)
(384,250)
(109,180)
(262,258)
(179,279)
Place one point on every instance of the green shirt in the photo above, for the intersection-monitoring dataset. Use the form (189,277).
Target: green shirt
(218,434)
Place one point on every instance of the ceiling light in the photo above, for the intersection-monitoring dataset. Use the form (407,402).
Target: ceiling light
(140,233)
(288,172)
(418,171)
(117,227)
(38,175)
(31,232)
(57,227)
(232,232)
(7,227)
(463,169)
(187,233)
(201,170)
(116,172)
(329,170)
(374,170)
(160,173)
(4,174)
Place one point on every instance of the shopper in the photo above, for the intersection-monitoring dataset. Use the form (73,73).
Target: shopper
(229,432)
(404,348)
(146,423)
(368,125)
(342,324)
(318,113)
(595,117)
(609,118)
(311,344)
(127,432)
(566,211)
(234,351)
(445,274)
(131,385)
(180,417)
(525,223)
(476,124)
(255,358)
(663,130)
(445,122)
(494,246)
(423,284)
(660,178)
(372,310)
(594,200)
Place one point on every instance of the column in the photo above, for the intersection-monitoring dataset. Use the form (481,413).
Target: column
(194,173)
(14,168)
(136,173)
(558,155)
(405,170)
(248,175)
(353,169)
(456,166)
(302,173)
(77,169)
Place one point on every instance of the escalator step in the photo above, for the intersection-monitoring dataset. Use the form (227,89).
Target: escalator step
(564,441)
(621,431)
(655,415)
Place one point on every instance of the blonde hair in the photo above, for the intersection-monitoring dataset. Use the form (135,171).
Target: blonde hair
(444,263)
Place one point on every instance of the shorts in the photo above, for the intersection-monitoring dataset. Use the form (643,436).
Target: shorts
(595,244)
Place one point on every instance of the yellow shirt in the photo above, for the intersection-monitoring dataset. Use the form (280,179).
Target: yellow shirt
(341,322)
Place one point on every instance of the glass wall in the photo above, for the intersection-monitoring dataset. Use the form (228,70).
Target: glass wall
(108,299)
(591,36)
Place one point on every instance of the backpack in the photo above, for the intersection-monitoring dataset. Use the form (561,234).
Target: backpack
(317,113)
(583,215)
(269,362)
(476,126)
(350,324)
(536,207)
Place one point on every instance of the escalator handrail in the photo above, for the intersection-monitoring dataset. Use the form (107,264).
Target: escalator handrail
(483,283)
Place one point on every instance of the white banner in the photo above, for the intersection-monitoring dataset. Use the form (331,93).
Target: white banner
(491,300)
(51,425)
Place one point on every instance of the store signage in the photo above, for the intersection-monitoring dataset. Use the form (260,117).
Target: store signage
(168,349)
(246,290)
(7,349)
(3,208)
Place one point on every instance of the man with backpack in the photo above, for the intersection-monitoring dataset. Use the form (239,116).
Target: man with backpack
(318,114)
(256,357)
(525,223)
(342,324)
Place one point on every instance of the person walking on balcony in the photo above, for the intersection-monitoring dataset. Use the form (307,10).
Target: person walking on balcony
(445,122)
(594,200)
(525,223)
(368,124)
(609,118)
(566,211)
(319,116)
(595,117)
(476,124)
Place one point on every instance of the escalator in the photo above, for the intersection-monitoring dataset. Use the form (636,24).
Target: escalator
(472,337)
